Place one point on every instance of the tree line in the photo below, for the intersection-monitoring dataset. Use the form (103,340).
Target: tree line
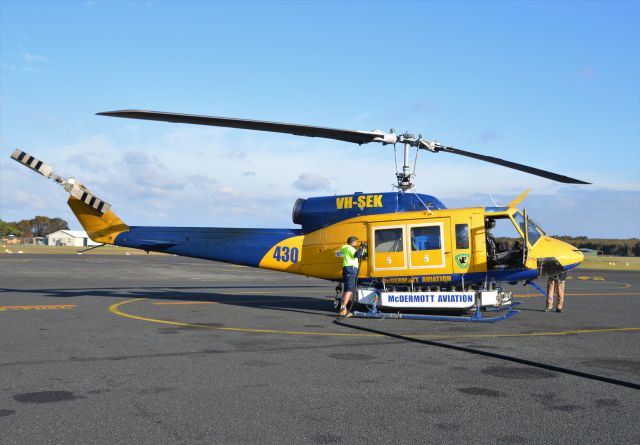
(38,226)
(43,225)
(616,247)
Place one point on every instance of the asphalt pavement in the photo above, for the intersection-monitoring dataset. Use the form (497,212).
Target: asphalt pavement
(165,349)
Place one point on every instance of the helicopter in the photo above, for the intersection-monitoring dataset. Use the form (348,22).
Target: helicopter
(421,254)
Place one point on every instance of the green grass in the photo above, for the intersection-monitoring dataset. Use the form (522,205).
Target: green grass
(611,263)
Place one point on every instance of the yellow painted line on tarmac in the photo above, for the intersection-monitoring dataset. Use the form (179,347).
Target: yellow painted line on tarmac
(115,309)
(37,307)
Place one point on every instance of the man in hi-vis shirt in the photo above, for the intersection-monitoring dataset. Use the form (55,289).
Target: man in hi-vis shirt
(350,256)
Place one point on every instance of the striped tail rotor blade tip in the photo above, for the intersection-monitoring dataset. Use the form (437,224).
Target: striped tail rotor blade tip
(90,200)
(34,164)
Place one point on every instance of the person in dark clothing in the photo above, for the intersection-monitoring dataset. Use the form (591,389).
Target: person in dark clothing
(556,283)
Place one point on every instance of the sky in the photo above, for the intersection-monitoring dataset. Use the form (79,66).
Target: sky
(555,85)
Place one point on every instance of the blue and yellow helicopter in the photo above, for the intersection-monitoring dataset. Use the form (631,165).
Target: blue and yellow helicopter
(422,255)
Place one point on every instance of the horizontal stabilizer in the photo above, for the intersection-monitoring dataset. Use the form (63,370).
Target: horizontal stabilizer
(155,244)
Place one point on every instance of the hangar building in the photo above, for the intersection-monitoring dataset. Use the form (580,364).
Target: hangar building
(77,238)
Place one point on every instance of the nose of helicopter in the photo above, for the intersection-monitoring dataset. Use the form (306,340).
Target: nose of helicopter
(569,256)
(562,255)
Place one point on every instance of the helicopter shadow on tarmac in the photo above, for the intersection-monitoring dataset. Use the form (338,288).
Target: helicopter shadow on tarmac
(318,306)
(276,301)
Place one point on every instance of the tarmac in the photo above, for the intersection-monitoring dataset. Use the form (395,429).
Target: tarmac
(166,349)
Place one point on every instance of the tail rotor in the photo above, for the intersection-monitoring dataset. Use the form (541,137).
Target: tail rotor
(71,185)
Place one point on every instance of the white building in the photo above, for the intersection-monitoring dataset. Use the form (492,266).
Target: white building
(77,238)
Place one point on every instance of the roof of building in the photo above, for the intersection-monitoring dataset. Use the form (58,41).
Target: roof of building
(72,233)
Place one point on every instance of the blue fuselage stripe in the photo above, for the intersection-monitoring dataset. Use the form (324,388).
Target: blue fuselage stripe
(229,245)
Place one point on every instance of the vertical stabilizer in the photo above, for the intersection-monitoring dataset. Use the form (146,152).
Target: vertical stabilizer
(101,227)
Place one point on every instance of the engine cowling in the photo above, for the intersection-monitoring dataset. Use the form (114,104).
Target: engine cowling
(318,212)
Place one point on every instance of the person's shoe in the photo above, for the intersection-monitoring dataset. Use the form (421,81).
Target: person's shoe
(548,309)
(558,309)
(345,313)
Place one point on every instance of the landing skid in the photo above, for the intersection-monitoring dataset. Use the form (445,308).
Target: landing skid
(476,317)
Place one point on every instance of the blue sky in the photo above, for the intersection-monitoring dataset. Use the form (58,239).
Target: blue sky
(551,84)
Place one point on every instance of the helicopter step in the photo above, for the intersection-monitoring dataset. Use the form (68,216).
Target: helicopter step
(477,300)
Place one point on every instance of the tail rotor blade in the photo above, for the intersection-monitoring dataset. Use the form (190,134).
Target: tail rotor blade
(70,185)
(34,164)
(89,199)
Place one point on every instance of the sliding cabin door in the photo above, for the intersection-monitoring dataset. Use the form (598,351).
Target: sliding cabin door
(430,246)
(418,248)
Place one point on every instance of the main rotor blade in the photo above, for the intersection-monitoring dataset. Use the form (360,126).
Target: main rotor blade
(515,166)
(358,137)
(355,136)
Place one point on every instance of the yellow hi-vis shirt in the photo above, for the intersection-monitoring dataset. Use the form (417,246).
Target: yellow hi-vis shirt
(349,256)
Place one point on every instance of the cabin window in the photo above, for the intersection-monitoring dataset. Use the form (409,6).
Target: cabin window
(425,238)
(462,236)
(389,240)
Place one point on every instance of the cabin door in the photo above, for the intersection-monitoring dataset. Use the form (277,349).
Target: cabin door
(429,247)
(419,248)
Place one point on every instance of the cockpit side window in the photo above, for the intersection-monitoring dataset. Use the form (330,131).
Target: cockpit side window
(534,233)
(519,220)
(462,236)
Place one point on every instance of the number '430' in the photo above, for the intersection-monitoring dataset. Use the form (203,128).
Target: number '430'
(285,254)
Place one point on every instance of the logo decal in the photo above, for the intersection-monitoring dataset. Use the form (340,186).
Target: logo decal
(462,260)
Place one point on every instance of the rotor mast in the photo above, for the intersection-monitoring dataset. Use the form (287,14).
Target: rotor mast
(405,178)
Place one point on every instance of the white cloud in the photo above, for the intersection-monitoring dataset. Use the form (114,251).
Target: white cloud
(309,182)
(34,58)
(184,177)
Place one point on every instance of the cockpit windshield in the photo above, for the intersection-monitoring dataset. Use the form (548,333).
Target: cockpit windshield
(534,232)
(537,225)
